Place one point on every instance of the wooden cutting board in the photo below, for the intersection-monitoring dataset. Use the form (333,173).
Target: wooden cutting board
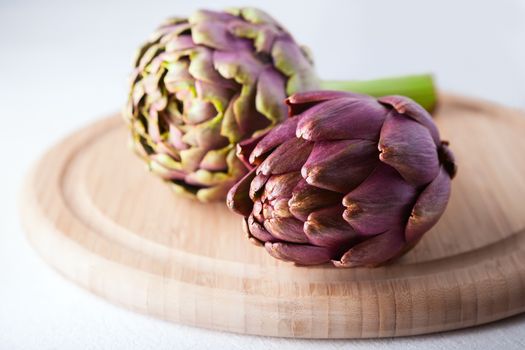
(96,215)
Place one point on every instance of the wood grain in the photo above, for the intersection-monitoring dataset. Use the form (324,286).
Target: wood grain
(96,215)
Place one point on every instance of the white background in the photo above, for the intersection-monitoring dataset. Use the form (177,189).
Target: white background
(65,64)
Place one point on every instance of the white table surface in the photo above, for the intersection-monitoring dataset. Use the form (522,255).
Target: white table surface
(63,65)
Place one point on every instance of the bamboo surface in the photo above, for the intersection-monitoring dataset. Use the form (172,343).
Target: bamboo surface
(98,217)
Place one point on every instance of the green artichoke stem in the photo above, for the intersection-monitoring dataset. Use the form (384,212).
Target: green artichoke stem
(419,88)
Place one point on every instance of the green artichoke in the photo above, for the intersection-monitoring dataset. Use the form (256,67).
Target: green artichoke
(347,178)
(201,84)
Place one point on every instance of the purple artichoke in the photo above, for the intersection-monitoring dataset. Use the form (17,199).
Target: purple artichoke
(347,178)
(202,84)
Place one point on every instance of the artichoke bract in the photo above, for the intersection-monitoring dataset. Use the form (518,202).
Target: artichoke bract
(347,178)
(201,84)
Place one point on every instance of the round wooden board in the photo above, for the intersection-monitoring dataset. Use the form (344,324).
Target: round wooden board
(95,214)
